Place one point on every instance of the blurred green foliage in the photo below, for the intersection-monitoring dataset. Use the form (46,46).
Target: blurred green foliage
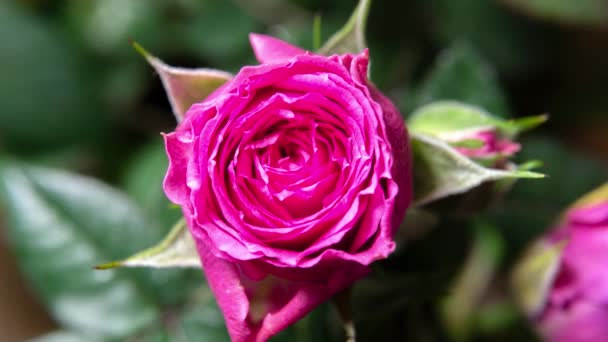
(75,96)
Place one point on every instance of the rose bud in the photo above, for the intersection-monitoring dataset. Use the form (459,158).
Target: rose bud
(468,153)
(562,283)
(293,178)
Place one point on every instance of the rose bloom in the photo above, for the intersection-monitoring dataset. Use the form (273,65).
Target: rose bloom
(293,177)
(576,307)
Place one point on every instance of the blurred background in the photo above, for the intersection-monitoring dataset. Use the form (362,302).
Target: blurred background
(74,95)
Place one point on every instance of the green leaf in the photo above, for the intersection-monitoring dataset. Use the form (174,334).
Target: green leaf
(63,336)
(315,327)
(88,202)
(501,37)
(59,226)
(534,275)
(441,171)
(199,320)
(460,307)
(446,118)
(351,38)
(105,26)
(202,320)
(176,250)
(461,74)
(585,12)
(217,31)
(388,307)
(185,87)
(143,182)
(47,96)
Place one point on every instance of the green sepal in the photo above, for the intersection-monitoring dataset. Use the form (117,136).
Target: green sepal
(351,37)
(183,86)
(445,118)
(177,249)
(534,274)
(441,171)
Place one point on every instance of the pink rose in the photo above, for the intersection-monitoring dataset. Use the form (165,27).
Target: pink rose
(576,307)
(293,178)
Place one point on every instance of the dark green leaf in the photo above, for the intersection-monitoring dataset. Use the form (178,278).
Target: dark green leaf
(202,322)
(105,26)
(591,12)
(460,307)
(143,182)
(502,38)
(109,218)
(47,98)
(217,31)
(60,225)
(461,74)
(63,336)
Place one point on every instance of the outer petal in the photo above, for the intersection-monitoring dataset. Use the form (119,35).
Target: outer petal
(268,49)
(402,165)
(584,321)
(179,151)
(255,310)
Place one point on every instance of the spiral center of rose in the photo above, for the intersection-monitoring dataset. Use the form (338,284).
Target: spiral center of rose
(294,159)
(290,167)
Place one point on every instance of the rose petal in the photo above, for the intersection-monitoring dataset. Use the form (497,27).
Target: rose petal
(582,321)
(268,49)
(591,215)
(401,171)
(256,310)
(178,146)
(298,177)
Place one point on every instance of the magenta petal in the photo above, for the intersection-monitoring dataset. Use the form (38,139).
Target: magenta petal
(223,278)
(268,49)
(178,146)
(584,321)
(592,215)
(402,165)
(293,177)
(254,310)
